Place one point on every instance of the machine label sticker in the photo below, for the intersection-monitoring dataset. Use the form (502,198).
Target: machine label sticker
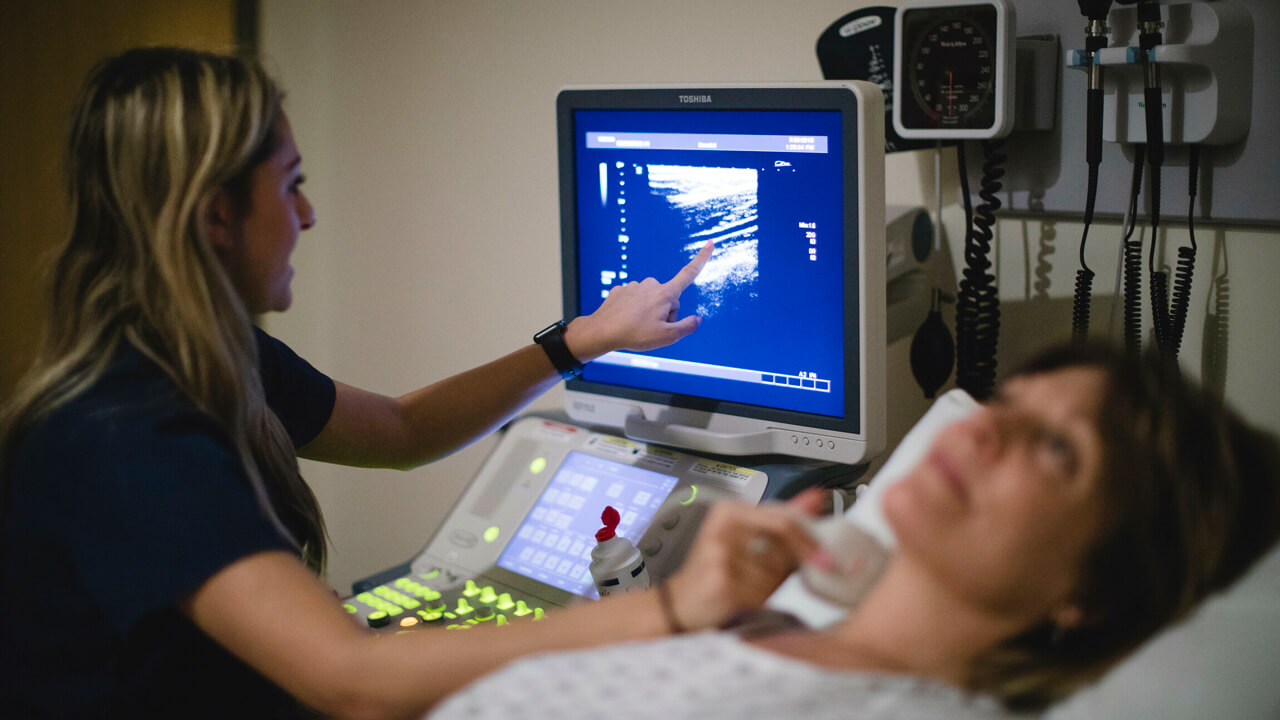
(615,446)
(658,458)
(723,472)
(555,431)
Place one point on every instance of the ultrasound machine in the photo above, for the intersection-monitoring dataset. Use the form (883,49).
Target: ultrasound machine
(782,386)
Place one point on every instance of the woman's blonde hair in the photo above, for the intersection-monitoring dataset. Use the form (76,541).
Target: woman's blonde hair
(156,133)
(1191,499)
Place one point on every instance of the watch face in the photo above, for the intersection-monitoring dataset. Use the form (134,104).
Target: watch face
(949,68)
(557,326)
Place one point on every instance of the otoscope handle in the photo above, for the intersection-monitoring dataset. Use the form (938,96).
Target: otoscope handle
(1155,126)
(1093,120)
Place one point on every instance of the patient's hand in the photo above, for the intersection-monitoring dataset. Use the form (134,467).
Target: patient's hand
(742,553)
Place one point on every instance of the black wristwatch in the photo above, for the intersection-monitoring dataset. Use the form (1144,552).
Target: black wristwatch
(552,341)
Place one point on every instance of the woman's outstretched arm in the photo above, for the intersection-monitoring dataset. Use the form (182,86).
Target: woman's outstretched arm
(278,617)
(372,430)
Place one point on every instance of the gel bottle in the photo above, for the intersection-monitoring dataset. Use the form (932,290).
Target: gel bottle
(616,564)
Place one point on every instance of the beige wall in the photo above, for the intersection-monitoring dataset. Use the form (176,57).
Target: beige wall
(428,135)
(46,48)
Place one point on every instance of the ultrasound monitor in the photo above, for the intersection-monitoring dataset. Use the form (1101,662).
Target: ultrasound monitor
(788,182)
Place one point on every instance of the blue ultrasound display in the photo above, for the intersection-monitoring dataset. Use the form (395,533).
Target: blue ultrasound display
(654,185)
(553,544)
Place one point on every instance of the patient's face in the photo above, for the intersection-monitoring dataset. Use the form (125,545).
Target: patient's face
(1006,503)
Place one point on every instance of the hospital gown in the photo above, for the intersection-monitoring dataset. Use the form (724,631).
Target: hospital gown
(707,676)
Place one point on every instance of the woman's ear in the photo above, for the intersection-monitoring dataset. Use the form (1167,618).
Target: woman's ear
(217,216)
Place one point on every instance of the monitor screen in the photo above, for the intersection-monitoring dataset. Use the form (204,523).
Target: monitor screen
(775,177)
(553,544)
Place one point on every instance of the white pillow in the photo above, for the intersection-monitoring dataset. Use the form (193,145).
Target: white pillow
(1222,662)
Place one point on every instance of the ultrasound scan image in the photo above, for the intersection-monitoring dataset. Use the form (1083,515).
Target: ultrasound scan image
(721,204)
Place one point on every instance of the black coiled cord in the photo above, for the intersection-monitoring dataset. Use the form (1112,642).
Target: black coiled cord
(978,302)
(1083,297)
(1181,297)
(1080,305)
(1133,264)
(1217,325)
(1160,307)
(1170,321)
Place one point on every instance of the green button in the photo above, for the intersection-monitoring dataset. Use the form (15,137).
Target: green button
(538,465)
(350,608)
(396,597)
(693,495)
(389,608)
(505,602)
(404,601)
(488,595)
(471,590)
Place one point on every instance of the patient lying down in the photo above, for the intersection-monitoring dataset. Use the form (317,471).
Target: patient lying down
(1094,501)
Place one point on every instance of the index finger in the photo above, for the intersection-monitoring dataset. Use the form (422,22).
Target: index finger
(689,272)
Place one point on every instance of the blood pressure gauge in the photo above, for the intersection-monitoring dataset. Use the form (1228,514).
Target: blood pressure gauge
(953,77)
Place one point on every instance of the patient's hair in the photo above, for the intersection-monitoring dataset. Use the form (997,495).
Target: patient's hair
(1191,501)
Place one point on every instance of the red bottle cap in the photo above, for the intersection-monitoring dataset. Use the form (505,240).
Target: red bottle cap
(610,517)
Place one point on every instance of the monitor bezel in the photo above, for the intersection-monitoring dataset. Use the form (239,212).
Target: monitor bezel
(863,144)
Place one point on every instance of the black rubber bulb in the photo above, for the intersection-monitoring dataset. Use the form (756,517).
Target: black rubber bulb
(933,351)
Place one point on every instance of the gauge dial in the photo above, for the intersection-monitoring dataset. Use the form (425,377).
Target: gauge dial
(954,70)
(952,73)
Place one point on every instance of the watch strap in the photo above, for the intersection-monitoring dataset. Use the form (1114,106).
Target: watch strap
(552,341)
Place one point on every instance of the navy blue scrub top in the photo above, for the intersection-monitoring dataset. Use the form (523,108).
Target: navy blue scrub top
(120,504)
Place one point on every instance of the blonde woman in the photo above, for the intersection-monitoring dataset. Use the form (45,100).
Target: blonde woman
(160,549)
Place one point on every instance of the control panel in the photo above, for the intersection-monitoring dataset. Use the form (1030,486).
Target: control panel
(518,541)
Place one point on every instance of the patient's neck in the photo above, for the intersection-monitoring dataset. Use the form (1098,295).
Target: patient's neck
(911,624)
